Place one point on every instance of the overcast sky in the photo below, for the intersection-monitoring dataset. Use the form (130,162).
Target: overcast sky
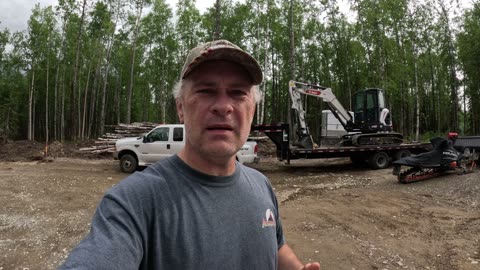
(14,14)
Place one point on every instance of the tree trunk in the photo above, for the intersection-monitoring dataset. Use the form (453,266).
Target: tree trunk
(117,99)
(292,61)
(93,103)
(465,114)
(61,65)
(34,110)
(55,104)
(144,104)
(417,112)
(104,91)
(62,117)
(75,114)
(7,125)
(261,118)
(292,43)
(132,64)
(216,34)
(46,107)
(105,80)
(84,116)
(30,104)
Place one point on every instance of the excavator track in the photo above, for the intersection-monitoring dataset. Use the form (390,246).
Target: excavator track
(391,138)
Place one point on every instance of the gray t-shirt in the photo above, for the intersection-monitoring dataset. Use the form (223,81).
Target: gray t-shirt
(172,217)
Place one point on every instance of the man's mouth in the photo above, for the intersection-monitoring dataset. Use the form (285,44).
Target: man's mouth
(220,127)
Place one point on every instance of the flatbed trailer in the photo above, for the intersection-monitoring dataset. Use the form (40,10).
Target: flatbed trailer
(467,142)
(375,156)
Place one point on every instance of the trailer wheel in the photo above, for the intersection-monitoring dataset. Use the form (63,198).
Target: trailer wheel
(401,154)
(379,160)
(128,163)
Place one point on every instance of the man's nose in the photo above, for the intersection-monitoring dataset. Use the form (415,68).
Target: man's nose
(222,104)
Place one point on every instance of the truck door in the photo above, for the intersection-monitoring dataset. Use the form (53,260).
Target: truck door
(156,145)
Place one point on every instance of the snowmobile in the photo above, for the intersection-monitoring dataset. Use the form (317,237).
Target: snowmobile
(443,158)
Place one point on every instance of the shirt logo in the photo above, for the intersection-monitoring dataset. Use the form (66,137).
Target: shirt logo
(269,219)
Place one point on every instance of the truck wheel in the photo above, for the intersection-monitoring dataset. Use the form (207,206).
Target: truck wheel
(128,163)
(401,154)
(379,160)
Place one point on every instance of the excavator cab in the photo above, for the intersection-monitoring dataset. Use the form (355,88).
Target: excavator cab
(370,113)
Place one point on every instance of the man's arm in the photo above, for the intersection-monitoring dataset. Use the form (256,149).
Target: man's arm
(287,260)
(113,241)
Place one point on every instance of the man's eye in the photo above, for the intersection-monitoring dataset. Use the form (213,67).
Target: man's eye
(239,93)
(204,91)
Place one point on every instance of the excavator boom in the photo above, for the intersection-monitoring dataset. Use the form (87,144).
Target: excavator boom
(326,94)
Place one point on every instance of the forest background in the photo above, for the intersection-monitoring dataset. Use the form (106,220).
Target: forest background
(82,66)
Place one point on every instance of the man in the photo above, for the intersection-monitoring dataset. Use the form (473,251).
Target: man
(199,209)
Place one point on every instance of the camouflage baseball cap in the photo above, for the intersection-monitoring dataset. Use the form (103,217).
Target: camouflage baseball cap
(222,50)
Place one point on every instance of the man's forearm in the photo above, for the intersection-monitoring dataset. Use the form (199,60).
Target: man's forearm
(287,260)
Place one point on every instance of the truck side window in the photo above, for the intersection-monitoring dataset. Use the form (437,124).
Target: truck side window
(178,134)
(159,134)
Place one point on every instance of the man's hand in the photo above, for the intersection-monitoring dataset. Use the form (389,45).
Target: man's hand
(311,266)
(287,260)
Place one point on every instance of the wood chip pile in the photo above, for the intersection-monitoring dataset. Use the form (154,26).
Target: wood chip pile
(106,143)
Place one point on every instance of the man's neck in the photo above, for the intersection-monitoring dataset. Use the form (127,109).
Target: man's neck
(216,166)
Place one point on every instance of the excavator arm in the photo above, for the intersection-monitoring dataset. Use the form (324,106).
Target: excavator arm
(326,94)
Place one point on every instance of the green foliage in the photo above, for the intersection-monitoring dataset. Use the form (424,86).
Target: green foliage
(12,84)
(469,54)
(409,48)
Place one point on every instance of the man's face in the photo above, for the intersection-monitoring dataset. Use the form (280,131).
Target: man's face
(217,107)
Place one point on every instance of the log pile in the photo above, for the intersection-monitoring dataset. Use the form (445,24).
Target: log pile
(106,143)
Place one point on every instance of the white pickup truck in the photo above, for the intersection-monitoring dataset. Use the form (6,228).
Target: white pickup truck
(161,142)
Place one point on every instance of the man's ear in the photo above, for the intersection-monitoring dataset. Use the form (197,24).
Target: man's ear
(179,105)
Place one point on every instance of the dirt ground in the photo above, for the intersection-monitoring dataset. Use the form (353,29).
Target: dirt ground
(333,212)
